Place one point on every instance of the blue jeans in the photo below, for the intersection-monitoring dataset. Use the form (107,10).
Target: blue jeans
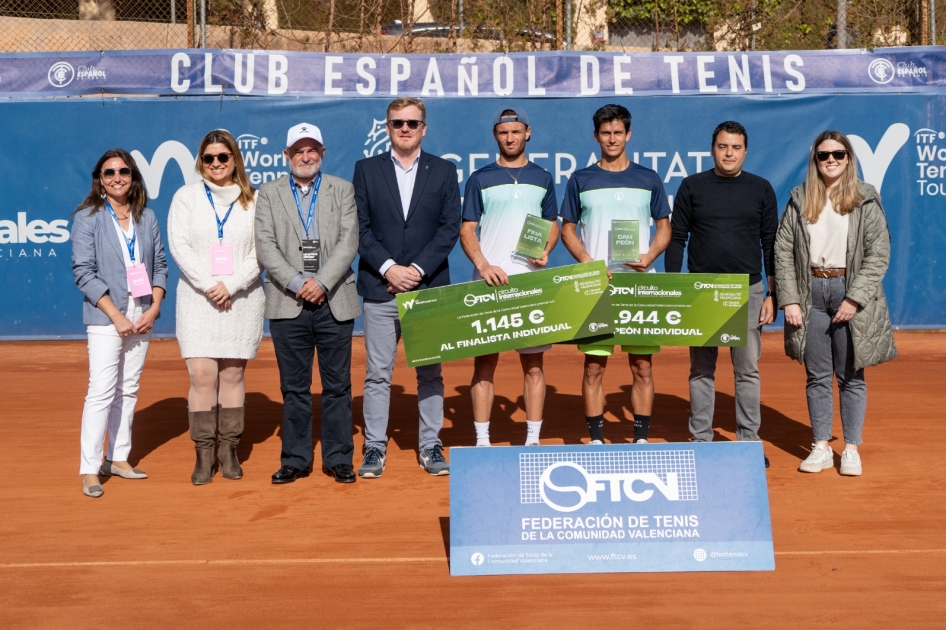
(315,330)
(829,351)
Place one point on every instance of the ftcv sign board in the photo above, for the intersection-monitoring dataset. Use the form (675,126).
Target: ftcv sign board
(609,509)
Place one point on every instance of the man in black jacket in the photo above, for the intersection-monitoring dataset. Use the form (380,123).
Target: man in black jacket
(730,218)
(409,220)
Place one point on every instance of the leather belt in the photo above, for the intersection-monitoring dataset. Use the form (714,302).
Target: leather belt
(827,273)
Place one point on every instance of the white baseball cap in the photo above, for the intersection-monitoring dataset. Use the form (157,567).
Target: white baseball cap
(303,130)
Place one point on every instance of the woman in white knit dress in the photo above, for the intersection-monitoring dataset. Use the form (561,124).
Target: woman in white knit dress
(219,299)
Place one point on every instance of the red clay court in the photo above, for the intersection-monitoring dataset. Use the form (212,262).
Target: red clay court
(862,552)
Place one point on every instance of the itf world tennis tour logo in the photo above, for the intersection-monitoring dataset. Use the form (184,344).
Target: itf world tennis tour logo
(567,482)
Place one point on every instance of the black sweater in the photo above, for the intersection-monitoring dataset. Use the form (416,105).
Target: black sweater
(728,221)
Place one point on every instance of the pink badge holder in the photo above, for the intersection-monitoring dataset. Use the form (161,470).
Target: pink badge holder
(138,282)
(221,259)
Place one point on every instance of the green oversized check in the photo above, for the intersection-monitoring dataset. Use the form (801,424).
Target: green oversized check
(535,308)
(679,309)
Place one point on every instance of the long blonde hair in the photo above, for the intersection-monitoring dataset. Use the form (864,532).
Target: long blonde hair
(845,197)
(222,136)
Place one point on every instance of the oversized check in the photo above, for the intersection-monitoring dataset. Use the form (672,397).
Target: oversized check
(535,308)
(679,309)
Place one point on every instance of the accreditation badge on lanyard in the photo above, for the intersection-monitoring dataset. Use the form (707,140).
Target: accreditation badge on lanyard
(311,254)
(221,252)
(136,275)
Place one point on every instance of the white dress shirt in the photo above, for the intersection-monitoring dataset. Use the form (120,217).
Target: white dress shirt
(405,186)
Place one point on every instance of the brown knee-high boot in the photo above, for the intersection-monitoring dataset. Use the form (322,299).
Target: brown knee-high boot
(231,428)
(203,426)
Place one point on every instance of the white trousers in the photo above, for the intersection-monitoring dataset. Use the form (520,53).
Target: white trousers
(115,364)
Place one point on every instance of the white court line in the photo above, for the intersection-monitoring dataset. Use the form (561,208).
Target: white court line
(285,561)
(272,561)
(857,552)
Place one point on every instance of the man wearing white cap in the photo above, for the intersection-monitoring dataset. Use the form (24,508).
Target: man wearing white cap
(307,238)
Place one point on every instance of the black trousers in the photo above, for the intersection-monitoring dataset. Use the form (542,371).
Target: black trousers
(295,341)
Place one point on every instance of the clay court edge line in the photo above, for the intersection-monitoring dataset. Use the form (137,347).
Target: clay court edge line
(275,561)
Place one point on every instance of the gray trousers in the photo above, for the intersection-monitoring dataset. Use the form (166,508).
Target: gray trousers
(829,351)
(746,370)
(382,332)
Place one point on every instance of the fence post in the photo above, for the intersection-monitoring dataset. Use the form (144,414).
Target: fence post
(932,22)
(173,10)
(203,23)
(568,24)
(842,24)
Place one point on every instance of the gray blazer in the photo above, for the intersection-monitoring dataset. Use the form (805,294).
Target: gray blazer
(98,263)
(279,246)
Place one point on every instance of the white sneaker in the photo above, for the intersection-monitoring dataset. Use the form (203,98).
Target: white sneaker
(595,442)
(641,441)
(850,463)
(821,458)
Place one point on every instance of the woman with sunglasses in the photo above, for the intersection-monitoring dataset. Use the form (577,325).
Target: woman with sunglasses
(831,254)
(219,299)
(119,265)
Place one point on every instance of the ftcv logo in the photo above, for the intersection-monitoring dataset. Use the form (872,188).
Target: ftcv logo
(567,482)
(61,74)
(472,300)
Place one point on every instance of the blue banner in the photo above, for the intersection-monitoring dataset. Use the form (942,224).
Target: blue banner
(609,509)
(517,75)
(49,147)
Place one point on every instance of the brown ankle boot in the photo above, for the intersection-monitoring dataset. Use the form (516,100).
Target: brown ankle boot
(203,425)
(231,428)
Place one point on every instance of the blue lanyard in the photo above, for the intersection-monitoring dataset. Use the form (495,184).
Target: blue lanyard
(307,222)
(134,234)
(220,223)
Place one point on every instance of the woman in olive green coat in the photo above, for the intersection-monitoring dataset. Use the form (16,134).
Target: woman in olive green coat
(831,254)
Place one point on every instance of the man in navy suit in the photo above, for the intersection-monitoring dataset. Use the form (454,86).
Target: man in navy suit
(409,219)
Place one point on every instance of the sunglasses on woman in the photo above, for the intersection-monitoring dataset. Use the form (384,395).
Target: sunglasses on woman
(411,124)
(208,158)
(110,172)
(837,155)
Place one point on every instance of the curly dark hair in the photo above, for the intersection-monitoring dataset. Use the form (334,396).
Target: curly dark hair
(611,112)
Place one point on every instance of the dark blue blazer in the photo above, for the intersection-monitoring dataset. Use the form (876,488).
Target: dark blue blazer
(426,237)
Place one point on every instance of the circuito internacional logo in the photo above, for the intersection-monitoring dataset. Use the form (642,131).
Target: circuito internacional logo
(881,71)
(61,74)
(477,559)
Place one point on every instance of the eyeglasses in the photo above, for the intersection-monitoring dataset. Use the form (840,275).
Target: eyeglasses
(208,158)
(411,124)
(110,172)
(837,155)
